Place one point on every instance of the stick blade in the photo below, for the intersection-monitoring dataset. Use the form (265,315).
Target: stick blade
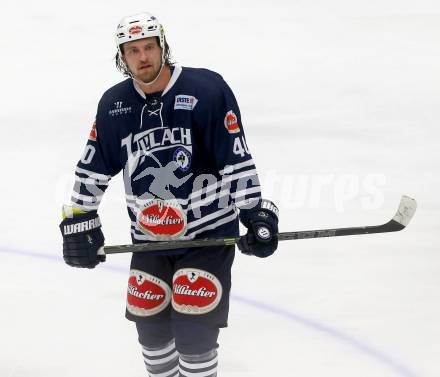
(406,210)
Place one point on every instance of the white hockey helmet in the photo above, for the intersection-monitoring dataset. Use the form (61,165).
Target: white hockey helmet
(139,26)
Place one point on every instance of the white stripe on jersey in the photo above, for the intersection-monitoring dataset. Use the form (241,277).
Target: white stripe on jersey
(251,190)
(244,202)
(243,174)
(91,181)
(209,217)
(87,198)
(226,179)
(228,169)
(213,226)
(92,174)
(85,207)
(209,199)
(135,203)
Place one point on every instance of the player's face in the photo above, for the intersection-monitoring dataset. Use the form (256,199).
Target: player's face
(143,58)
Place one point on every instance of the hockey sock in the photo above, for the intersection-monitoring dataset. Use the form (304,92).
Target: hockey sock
(162,361)
(204,365)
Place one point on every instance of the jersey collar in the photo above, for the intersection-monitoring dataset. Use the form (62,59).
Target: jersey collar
(174,76)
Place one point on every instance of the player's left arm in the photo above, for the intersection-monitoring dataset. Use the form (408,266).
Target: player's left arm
(225,137)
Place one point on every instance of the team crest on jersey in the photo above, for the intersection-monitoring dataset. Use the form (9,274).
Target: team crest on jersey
(93,133)
(182,157)
(184,102)
(146,295)
(231,122)
(162,220)
(195,291)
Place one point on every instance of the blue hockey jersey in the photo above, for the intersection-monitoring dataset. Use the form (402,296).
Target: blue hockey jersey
(183,154)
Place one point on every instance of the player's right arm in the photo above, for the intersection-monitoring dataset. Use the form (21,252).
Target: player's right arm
(81,226)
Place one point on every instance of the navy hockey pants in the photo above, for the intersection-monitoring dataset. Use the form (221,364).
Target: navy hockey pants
(183,297)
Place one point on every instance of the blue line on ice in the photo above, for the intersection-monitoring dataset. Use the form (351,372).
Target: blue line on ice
(361,346)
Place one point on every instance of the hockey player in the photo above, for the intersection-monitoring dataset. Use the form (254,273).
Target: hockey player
(176,134)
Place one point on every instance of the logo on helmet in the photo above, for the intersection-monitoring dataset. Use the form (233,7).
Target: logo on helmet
(135,30)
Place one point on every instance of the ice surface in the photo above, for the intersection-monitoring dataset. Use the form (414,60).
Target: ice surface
(340,101)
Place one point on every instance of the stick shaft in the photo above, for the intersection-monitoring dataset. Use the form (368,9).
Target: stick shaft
(391,226)
(401,219)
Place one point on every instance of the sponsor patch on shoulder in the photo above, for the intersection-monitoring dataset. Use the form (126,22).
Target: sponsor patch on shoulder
(195,291)
(184,102)
(231,122)
(93,133)
(147,294)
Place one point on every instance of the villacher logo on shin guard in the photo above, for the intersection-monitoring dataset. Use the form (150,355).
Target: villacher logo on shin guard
(195,291)
(147,295)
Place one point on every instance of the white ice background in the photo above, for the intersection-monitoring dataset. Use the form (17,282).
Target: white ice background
(340,101)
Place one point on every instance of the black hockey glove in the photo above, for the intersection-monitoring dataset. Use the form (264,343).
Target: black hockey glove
(82,238)
(262,223)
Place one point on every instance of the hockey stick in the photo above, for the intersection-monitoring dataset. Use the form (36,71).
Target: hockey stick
(401,219)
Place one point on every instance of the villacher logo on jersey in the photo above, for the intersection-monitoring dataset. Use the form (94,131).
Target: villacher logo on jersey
(119,110)
(162,220)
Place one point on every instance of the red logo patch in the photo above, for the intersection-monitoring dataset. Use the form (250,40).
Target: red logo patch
(93,133)
(147,295)
(135,30)
(231,122)
(162,220)
(195,291)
